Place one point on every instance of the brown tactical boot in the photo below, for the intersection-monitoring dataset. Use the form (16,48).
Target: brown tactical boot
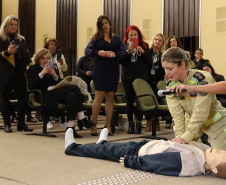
(157,126)
(148,126)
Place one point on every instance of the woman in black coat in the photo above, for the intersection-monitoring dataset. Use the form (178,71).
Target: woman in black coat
(135,65)
(14,60)
(44,76)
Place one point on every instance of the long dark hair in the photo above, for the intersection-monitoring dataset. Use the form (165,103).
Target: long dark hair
(100,32)
(177,39)
(213,71)
(140,36)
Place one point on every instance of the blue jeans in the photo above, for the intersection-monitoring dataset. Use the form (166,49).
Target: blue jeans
(105,150)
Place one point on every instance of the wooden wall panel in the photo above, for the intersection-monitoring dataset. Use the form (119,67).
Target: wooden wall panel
(118,12)
(171,18)
(181,18)
(166,15)
(0,11)
(27,23)
(197,6)
(186,17)
(66,32)
(176,18)
(191,27)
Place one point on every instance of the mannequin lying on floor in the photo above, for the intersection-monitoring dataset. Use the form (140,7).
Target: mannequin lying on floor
(158,156)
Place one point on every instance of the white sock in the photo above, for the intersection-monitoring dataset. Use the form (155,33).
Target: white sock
(103,135)
(71,123)
(69,137)
(81,115)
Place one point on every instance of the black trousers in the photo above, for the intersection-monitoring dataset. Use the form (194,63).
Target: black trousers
(17,83)
(70,96)
(130,99)
(105,150)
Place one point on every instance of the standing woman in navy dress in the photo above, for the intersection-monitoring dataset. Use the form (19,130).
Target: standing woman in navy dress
(107,49)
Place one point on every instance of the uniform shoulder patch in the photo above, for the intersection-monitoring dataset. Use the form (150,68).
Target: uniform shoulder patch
(199,76)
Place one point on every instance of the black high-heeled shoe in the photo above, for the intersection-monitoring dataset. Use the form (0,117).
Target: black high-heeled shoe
(137,129)
(110,133)
(86,123)
(94,133)
(80,125)
(131,128)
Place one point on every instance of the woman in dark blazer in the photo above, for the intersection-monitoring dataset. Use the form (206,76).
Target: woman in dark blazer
(44,77)
(156,71)
(14,60)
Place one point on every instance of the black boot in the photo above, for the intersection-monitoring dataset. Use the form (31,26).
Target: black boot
(21,127)
(86,123)
(131,128)
(138,128)
(8,128)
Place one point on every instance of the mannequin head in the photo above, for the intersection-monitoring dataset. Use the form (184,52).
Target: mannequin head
(216,162)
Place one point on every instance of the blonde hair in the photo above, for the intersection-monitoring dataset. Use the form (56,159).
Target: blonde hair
(162,48)
(4,28)
(177,55)
(40,53)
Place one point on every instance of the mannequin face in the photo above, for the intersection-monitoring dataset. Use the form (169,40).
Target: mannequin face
(215,157)
(175,72)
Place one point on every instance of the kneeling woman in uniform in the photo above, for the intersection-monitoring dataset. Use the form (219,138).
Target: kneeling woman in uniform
(204,112)
(44,76)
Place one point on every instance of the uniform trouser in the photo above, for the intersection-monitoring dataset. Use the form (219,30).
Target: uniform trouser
(220,141)
(17,83)
(105,150)
(130,99)
(70,96)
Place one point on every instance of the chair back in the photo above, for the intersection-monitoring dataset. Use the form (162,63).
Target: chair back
(145,95)
(162,86)
(92,86)
(121,90)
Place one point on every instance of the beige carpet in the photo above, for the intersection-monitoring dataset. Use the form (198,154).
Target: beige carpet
(35,160)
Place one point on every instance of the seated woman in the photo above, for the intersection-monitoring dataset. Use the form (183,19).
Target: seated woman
(217,77)
(43,76)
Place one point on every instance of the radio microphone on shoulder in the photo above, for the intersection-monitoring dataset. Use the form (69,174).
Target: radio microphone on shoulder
(162,93)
